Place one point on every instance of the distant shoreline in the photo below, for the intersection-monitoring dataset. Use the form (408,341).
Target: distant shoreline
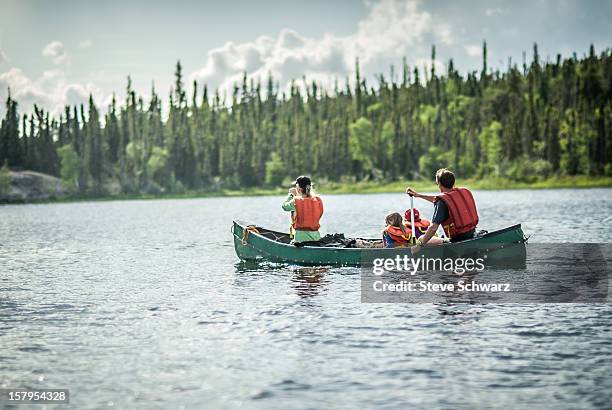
(327,188)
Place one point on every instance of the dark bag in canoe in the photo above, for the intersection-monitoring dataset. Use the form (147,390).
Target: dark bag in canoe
(336,240)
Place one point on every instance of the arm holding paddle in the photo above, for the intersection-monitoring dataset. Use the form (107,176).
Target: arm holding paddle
(428,237)
(411,192)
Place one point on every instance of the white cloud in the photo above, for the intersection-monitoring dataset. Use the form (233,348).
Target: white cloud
(473,50)
(390,27)
(51,91)
(444,34)
(491,12)
(391,30)
(3,57)
(56,51)
(85,44)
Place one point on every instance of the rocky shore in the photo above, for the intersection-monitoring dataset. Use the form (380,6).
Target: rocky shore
(30,186)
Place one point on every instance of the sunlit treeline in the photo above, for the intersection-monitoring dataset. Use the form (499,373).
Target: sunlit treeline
(526,122)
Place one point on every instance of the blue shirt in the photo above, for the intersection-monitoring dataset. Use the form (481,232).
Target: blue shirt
(440,212)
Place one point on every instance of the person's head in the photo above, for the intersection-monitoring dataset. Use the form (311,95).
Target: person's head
(445,179)
(417,215)
(304,185)
(394,219)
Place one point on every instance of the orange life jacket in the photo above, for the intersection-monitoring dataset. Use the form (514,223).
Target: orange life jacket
(308,212)
(463,216)
(396,234)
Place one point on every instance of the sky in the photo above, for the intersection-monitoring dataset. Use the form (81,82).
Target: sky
(54,53)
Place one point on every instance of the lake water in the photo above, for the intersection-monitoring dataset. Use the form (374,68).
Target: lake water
(143,304)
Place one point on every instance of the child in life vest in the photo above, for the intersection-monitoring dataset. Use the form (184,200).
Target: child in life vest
(420,224)
(395,233)
(420,227)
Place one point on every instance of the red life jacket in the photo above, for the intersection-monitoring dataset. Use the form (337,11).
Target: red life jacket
(396,234)
(308,212)
(463,216)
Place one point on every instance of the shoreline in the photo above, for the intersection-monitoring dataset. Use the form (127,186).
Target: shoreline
(343,188)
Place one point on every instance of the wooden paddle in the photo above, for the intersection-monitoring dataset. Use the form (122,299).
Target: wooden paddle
(413,237)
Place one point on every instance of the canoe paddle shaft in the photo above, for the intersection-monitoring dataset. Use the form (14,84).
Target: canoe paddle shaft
(413,238)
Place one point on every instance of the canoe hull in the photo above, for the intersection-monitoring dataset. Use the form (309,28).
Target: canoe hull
(504,245)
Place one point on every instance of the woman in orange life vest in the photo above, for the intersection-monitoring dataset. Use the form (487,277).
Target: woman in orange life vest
(306,210)
(454,209)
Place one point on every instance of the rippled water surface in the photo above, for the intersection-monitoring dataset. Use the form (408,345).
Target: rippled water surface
(143,304)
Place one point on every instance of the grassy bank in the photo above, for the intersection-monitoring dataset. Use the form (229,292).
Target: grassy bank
(366,188)
(477,184)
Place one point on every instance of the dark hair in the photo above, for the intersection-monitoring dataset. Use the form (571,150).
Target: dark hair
(445,177)
(304,183)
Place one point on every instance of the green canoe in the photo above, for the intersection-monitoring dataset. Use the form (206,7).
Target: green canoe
(257,243)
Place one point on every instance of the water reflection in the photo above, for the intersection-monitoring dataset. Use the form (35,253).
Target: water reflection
(309,282)
(119,287)
(306,281)
(254,266)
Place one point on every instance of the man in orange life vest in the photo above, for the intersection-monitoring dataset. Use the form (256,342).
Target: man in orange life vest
(454,209)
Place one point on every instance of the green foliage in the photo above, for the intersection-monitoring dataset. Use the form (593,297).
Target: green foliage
(551,118)
(70,166)
(374,109)
(526,170)
(427,114)
(5,179)
(433,161)
(157,161)
(157,167)
(276,171)
(491,148)
(94,152)
(386,140)
(361,141)
(10,148)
